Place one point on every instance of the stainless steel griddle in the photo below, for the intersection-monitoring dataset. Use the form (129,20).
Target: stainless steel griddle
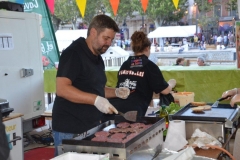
(149,138)
(217,122)
(219,114)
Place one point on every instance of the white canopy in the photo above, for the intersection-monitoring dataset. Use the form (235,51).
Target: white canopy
(191,29)
(66,37)
(115,52)
(173,31)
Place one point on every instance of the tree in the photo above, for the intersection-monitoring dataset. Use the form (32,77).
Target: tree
(232,6)
(159,11)
(92,8)
(67,11)
(125,9)
(162,12)
(203,7)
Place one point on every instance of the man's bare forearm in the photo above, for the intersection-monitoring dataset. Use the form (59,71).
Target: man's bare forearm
(71,93)
(110,92)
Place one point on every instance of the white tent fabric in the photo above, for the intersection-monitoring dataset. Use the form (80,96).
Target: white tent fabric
(66,37)
(173,31)
(191,29)
(114,52)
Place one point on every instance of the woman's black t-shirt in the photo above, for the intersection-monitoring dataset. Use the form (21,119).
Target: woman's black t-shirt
(142,77)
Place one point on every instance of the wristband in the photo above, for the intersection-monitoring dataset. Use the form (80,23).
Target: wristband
(236,90)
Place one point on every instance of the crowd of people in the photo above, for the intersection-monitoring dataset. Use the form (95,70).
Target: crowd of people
(124,43)
(200,41)
(226,40)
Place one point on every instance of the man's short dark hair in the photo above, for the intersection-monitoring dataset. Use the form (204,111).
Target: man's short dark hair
(101,22)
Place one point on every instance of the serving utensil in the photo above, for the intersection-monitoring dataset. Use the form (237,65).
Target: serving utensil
(130,115)
(215,104)
(157,152)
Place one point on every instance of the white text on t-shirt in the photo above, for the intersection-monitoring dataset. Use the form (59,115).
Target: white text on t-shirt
(130,72)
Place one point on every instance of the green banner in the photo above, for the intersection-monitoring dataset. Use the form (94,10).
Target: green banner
(48,43)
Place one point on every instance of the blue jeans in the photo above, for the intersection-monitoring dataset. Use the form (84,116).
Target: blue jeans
(58,137)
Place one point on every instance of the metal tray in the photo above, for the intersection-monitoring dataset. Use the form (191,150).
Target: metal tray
(218,114)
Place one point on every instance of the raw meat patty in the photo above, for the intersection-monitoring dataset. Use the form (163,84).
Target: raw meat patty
(115,130)
(114,140)
(135,130)
(123,125)
(102,134)
(137,125)
(129,137)
(118,135)
(147,126)
(126,130)
(99,139)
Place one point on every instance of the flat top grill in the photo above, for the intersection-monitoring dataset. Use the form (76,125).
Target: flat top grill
(219,114)
(155,121)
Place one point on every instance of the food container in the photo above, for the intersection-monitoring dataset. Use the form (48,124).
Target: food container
(73,155)
(183,98)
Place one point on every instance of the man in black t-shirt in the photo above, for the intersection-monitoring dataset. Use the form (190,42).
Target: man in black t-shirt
(80,83)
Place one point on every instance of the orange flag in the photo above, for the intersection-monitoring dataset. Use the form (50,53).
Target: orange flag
(144,5)
(114,4)
(175,2)
(82,6)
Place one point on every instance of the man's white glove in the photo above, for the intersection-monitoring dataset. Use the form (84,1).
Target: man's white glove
(104,106)
(230,93)
(172,83)
(233,95)
(235,99)
(122,92)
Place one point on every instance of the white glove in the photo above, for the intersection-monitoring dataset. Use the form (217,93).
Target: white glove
(122,92)
(104,106)
(235,99)
(230,93)
(172,83)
